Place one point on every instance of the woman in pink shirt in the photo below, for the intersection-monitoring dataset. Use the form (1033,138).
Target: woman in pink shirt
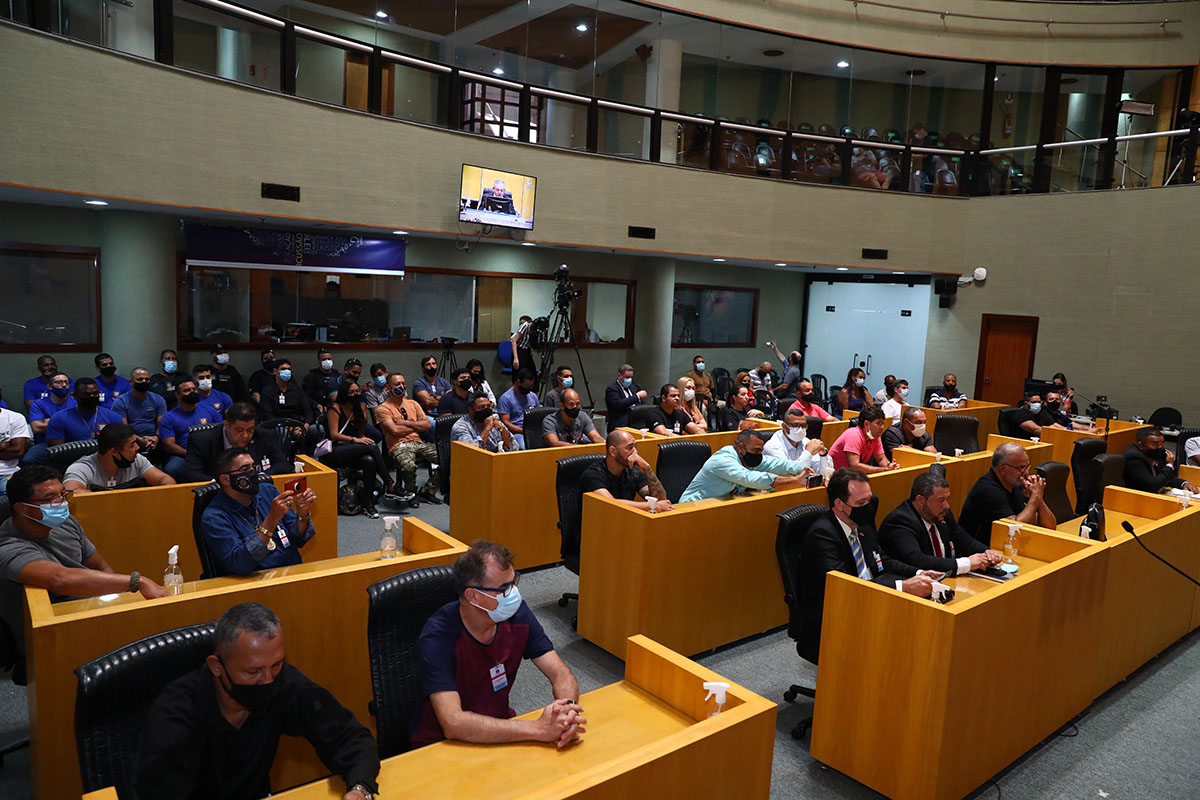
(860,447)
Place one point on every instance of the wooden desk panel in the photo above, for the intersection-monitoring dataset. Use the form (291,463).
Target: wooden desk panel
(1120,435)
(164,518)
(323,606)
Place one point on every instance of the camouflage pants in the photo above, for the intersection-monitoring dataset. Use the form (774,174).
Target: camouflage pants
(405,454)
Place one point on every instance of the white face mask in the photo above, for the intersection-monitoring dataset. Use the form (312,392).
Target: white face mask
(689,394)
(918,430)
(904,393)
(222,358)
(869,431)
(327,364)
(205,384)
(796,434)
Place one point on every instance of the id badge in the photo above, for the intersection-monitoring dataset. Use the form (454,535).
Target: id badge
(878,562)
(266,464)
(499,678)
(282,400)
(283,537)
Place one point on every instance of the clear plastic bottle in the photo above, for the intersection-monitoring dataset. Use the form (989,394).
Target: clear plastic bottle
(1010,546)
(387,544)
(716,692)
(172,575)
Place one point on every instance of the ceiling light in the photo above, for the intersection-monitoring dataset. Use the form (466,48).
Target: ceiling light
(995,79)
(915,73)
(774,52)
(96,202)
(843,269)
(528,244)
(780,264)
(894,272)
(498,71)
(400,233)
(843,64)
(582,27)
(718,259)
(381,14)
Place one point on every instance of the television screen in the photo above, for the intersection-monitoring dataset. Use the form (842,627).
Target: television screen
(493,197)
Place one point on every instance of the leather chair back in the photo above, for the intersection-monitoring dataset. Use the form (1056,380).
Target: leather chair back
(397,610)
(114,695)
(203,496)
(815,426)
(929,392)
(570,505)
(1056,473)
(1180,444)
(678,463)
(1166,417)
(65,454)
(534,418)
(639,416)
(1085,450)
(1004,423)
(1106,469)
(207,426)
(956,431)
(441,439)
(789,545)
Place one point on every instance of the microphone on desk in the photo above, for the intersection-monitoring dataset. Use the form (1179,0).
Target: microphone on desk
(1107,412)
(1129,529)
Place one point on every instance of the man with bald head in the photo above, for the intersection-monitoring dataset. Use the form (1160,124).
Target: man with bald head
(624,475)
(1006,490)
(570,425)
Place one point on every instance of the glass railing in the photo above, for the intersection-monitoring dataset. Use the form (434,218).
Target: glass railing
(278,53)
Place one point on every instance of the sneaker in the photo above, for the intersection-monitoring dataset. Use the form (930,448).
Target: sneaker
(413,502)
(370,512)
(399,497)
(430,496)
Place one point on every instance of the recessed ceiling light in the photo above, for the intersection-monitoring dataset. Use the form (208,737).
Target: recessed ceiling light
(528,244)
(381,14)
(843,269)
(773,53)
(895,272)
(582,27)
(400,233)
(843,64)
(718,259)
(498,71)
(995,79)
(96,202)
(780,264)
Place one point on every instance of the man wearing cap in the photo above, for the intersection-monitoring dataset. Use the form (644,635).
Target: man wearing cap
(225,376)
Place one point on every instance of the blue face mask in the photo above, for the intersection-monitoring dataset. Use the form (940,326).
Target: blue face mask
(1035,407)
(507,606)
(568,383)
(285,374)
(627,381)
(398,391)
(60,391)
(381,380)
(54,515)
(904,393)
(169,367)
(700,366)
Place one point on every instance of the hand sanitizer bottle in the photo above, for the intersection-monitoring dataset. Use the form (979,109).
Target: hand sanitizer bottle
(387,544)
(1010,546)
(172,575)
(716,692)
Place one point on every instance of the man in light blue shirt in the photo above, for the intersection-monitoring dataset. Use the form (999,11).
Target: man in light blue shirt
(482,428)
(516,401)
(741,466)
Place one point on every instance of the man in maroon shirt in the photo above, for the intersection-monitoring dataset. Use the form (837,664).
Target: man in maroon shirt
(470,651)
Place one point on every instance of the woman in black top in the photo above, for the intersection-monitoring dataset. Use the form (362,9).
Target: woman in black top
(353,449)
(854,395)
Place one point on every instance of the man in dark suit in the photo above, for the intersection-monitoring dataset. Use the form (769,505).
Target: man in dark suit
(620,396)
(1149,466)
(922,531)
(497,199)
(843,540)
(238,431)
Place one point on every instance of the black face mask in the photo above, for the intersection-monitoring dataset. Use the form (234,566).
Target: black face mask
(253,696)
(141,386)
(464,385)
(122,462)
(88,403)
(270,365)
(524,389)
(862,516)
(482,416)
(244,483)
(355,399)
(431,371)
(1156,454)
(950,388)
(1054,405)
(751,460)
(477,377)
(109,371)
(808,398)
(572,412)
(191,398)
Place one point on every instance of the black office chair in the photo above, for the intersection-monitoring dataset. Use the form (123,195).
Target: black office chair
(1106,469)
(207,426)
(282,427)
(789,544)
(1005,424)
(441,439)
(956,432)
(1055,474)
(1166,417)
(678,463)
(764,401)
(534,419)
(929,392)
(114,695)
(398,608)
(65,454)
(570,512)
(1181,442)
(815,426)
(1085,450)
(203,496)
(639,417)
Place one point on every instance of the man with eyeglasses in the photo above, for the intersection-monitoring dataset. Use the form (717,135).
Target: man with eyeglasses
(466,683)
(250,525)
(42,545)
(1006,490)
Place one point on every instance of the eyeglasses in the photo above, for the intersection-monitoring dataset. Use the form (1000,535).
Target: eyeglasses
(502,591)
(65,496)
(1022,469)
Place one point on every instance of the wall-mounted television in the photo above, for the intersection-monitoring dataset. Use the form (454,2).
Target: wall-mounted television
(494,197)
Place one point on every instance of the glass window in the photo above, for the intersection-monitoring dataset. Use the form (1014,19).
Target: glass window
(331,74)
(495,111)
(51,296)
(714,316)
(226,45)
(1147,162)
(607,309)
(417,94)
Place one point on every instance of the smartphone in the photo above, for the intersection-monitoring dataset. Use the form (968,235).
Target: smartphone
(815,480)
(297,486)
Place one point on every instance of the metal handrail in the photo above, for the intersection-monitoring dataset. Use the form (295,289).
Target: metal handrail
(1044,22)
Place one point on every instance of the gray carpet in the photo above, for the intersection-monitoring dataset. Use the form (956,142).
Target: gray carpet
(1136,742)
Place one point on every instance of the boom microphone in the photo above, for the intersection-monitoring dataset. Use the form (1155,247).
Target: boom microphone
(1129,529)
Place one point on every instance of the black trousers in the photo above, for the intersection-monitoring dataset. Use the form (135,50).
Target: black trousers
(365,460)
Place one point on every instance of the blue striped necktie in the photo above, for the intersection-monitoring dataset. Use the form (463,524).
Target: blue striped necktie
(859,562)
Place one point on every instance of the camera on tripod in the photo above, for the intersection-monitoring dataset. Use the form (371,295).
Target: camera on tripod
(564,291)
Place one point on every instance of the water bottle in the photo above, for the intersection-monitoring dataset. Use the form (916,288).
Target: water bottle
(1010,546)
(172,575)
(387,544)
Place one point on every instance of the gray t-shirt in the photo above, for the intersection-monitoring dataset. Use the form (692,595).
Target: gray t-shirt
(553,398)
(67,544)
(575,433)
(87,471)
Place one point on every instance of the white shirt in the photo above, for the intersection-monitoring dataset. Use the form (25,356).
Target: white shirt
(13,426)
(780,446)
(851,535)
(1191,449)
(893,408)
(881,397)
(964,564)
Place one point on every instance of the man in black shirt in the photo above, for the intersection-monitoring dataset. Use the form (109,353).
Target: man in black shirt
(1149,466)
(624,475)
(214,732)
(283,399)
(163,383)
(909,432)
(262,377)
(1006,490)
(668,419)
(225,376)
(321,381)
(458,399)
(1025,419)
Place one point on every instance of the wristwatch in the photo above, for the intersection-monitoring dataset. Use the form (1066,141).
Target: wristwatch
(270,539)
(135,582)
(358,787)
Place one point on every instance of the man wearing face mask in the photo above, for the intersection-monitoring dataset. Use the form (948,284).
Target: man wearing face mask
(894,406)
(225,376)
(60,399)
(740,467)
(922,531)
(429,388)
(114,465)
(112,386)
(466,683)
(843,540)
(284,399)
(516,401)
(909,432)
(564,379)
(789,385)
(807,402)
(620,396)
(1025,418)
(703,381)
(321,381)
(375,391)
(42,545)
(1149,466)
(1054,415)
(404,423)
(261,377)
(482,428)
(479,383)
(669,419)
(885,393)
(215,399)
(859,447)
(85,420)
(142,410)
(791,441)
(173,430)
(571,425)
(39,388)
(949,396)
(250,525)
(457,400)
(163,383)
(214,732)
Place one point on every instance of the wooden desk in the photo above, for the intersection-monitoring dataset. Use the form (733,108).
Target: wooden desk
(988,415)
(165,517)
(1120,435)
(648,736)
(323,606)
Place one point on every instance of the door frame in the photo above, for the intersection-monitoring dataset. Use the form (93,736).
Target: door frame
(984,325)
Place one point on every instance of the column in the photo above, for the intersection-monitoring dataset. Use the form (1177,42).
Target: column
(662,91)
(561,116)
(232,48)
(652,322)
(138,254)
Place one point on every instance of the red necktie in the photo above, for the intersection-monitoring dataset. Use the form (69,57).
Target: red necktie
(937,542)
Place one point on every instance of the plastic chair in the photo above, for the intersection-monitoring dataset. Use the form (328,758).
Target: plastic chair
(678,463)
(789,545)
(570,512)
(534,417)
(956,432)
(1056,473)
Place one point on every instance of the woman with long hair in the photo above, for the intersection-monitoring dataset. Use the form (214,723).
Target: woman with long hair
(690,403)
(352,448)
(854,395)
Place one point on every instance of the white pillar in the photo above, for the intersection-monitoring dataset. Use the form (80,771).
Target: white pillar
(137,286)
(561,116)
(663,71)
(652,331)
(232,48)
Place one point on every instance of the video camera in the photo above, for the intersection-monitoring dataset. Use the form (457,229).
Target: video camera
(564,291)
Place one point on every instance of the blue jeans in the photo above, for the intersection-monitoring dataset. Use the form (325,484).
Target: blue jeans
(174,467)
(38,454)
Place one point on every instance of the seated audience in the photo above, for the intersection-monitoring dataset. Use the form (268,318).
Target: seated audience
(791,441)
(843,540)
(353,449)
(478,382)
(115,464)
(703,382)
(949,396)
(429,388)
(516,401)
(860,446)
(375,391)
(1066,392)
(250,525)
(112,385)
(909,432)
(922,531)
(761,378)
(404,424)
(883,394)
(263,376)
(894,406)
(1149,466)
(482,428)
(40,387)
(284,399)
(226,376)
(174,429)
(215,399)
(15,438)
(214,732)
(740,467)
(853,396)
(142,410)
(743,379)
(42,545)
(624,475)
(352,370)
(667,418)
(620,396)
(82,421)
(691,403)
(564,378)
(807,402)
(1006,490)
(466,683)
(570,425)
(456,400)
(239,430)
(163,383)
(738,414)
(61,398)
(1053,415)
(1025,418)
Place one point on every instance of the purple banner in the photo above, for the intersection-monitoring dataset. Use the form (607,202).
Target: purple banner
(209,245)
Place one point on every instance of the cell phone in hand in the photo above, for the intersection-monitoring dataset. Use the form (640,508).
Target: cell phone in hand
(297,486)
(815,481)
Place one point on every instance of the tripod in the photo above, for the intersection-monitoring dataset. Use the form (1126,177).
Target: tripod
(447,364)
(560,330)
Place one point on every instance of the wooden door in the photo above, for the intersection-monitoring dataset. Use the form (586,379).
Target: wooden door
(1006,348)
